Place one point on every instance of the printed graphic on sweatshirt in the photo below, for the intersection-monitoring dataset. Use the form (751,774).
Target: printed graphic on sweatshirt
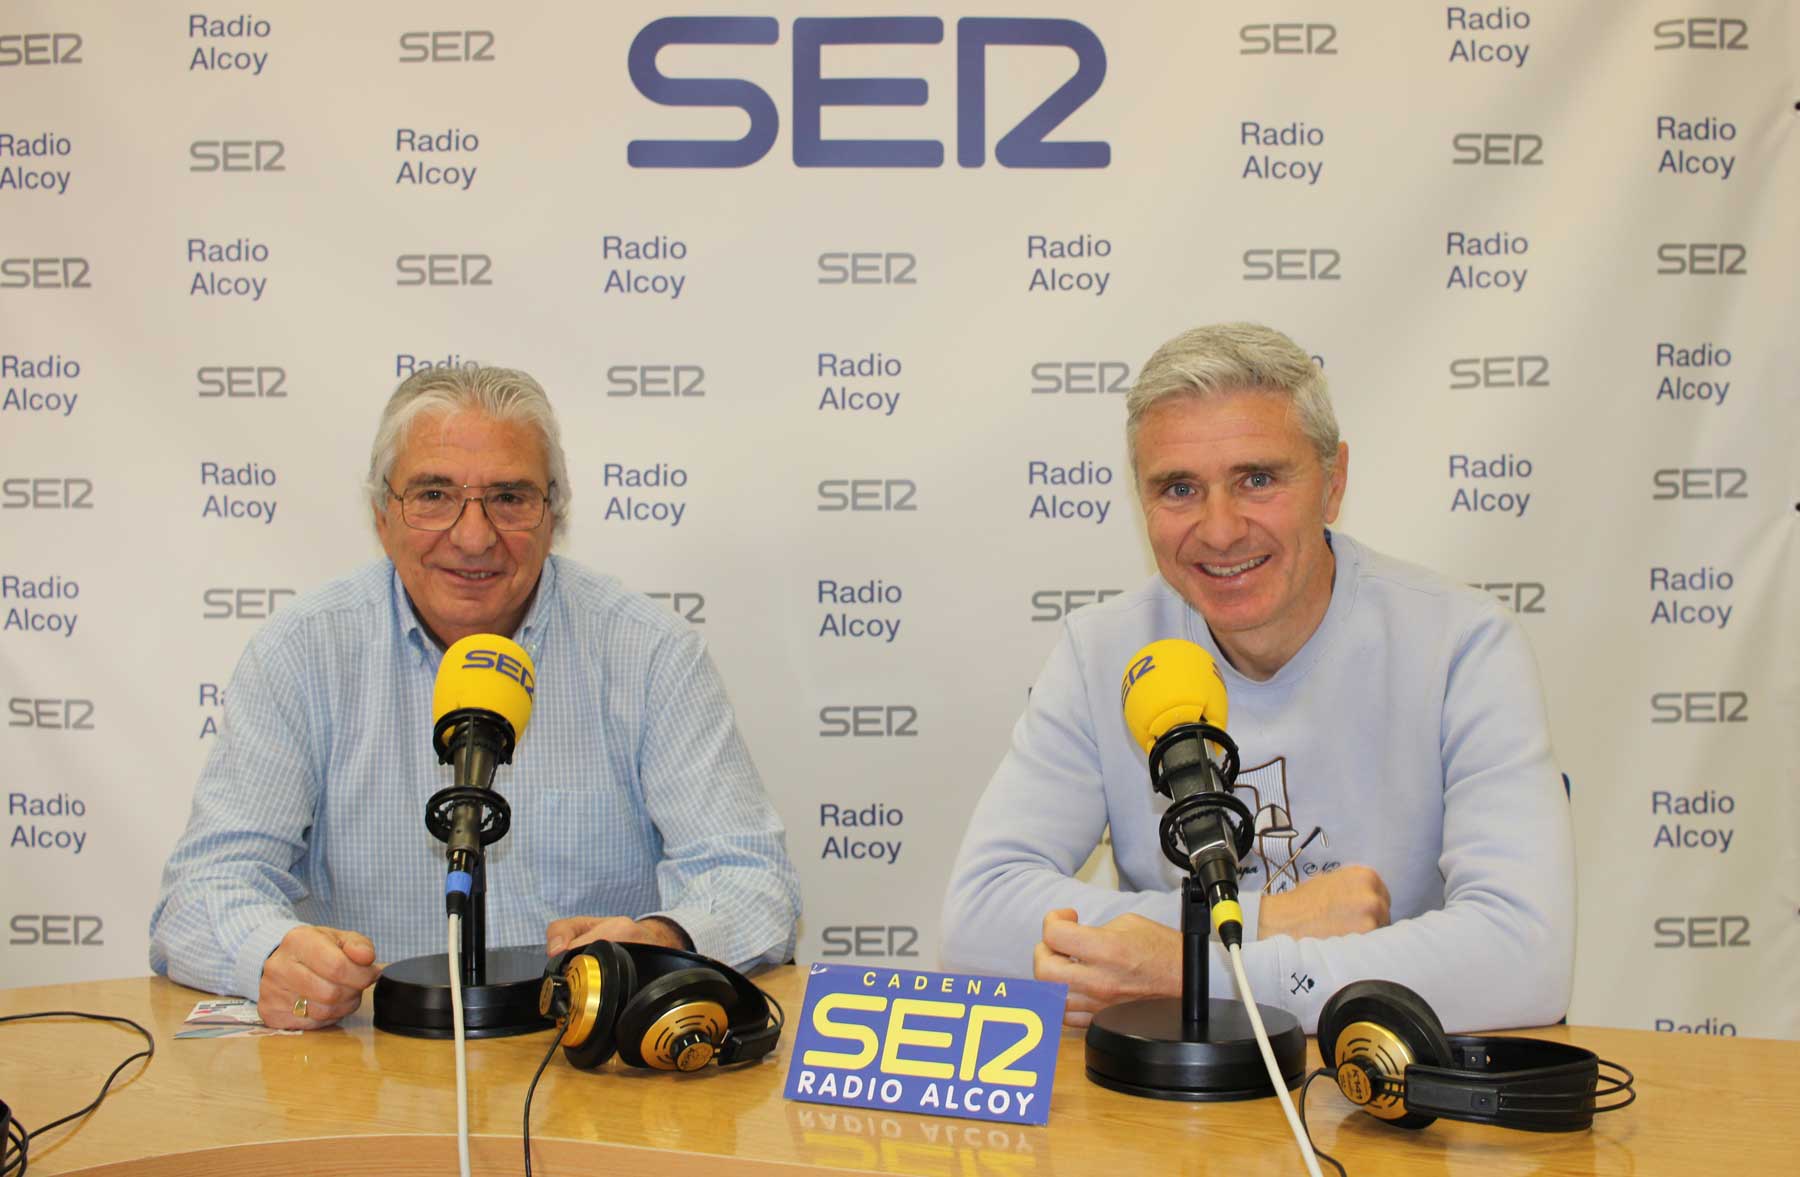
(1287,850)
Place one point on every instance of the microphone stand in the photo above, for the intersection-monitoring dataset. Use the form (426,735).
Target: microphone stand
(499,988)
(1193,1047)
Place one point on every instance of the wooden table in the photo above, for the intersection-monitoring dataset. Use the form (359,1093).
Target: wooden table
(352,1100)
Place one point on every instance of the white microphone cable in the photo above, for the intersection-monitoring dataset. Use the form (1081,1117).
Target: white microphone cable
(462,1058)
(1268,1054)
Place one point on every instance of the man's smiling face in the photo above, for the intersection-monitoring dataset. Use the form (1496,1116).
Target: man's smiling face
(1236,502)
(471,578)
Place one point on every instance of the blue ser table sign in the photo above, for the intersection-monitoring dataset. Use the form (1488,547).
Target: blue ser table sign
(939,1043)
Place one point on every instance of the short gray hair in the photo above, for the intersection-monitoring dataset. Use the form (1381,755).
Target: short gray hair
(499,394)
(1233,357)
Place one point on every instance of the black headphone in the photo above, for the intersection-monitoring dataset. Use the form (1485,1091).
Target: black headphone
(657,1007)
(1392,1058)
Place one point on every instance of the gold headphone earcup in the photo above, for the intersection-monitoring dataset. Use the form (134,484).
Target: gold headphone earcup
(601,979)
(1371,1031)
(676,1021)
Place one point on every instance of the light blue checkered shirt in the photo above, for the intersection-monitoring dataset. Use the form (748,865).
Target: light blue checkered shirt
(632,792)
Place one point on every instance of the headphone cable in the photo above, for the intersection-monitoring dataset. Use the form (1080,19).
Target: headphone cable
(555,1040)
(15,1137)
(1322,1072)
(14,1165)
(780,1014)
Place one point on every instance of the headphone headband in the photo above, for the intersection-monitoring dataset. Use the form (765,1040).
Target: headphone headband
(1392,1057)
(1527,1083)
(606,976)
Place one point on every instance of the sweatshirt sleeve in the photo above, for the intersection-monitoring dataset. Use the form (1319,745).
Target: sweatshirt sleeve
(1500,952)
(1041,817)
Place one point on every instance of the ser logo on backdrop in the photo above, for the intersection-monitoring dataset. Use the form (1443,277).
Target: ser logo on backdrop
(47,494)
(51,715)
(225,603)
(241,381)
(1702,931)
(30,929)
(1521,596)
(1292,264)
(44,273)
(444,269)
(437,46)
(1289,38)
(237,155)
(1701,32)
(867,494)
(1054,604)
(1500,372)
(1705,258)
(868,267)
(25,49)
(1497,149)
(1080,377)
(1026,145)
(868,721)
(656,380)
(878,940)
(688,605)
(1700,707)
(1700,482)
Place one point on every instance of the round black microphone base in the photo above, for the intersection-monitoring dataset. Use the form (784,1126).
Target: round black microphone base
(412,997)
(1139,1048)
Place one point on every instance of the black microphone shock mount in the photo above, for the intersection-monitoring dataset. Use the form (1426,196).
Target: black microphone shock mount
(499,990)
(1193,1047)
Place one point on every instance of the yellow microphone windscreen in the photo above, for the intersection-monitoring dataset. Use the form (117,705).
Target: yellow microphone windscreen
(1171,682)
(489,673)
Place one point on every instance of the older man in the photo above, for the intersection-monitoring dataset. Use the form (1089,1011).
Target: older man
(1412,824)
(637,814)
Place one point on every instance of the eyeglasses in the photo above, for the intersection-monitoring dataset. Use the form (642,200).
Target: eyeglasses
(508,508)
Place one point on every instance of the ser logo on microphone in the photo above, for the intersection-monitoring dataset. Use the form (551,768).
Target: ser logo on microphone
(1134,672)
(502,663)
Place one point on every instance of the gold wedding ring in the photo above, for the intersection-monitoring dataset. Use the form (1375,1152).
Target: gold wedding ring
(299,1007)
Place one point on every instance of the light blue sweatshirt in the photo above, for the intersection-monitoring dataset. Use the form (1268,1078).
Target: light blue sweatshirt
(1409,732)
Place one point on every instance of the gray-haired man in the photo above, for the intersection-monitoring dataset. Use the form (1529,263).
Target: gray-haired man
(638,813)
(1412,824)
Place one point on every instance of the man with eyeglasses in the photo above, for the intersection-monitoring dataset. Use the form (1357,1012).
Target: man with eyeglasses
(637,813)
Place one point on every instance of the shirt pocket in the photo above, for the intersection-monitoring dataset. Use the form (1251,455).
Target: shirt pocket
(585,849)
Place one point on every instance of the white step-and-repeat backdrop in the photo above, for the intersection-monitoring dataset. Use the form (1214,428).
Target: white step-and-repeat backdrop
(837,309)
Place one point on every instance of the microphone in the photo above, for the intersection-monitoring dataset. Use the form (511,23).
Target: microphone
(480,706)
(1191,1046)
(1175,704)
